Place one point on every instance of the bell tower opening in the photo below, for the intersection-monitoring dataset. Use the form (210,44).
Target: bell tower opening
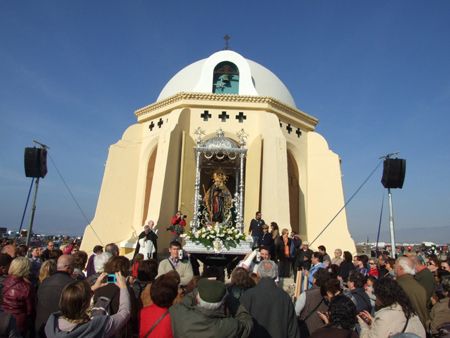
(226,78)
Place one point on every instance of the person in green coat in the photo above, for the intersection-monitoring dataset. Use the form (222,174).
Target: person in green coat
(404,272)
(201,314)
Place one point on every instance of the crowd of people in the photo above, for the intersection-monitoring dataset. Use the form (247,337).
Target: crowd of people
(64,292)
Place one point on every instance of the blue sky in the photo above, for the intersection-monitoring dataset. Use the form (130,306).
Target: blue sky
(375,73)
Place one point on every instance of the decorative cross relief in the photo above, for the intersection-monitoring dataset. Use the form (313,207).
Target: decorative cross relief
(205,115)
(160,123)
(224,116)
(298,132)
(199,133)
(289,128)
(151,126)
(242,136)
(241,117)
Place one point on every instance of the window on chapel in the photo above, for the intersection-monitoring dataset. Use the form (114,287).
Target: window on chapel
(226,78)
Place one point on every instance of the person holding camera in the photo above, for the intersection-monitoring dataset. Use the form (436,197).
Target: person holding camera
(177,261)
(177,224)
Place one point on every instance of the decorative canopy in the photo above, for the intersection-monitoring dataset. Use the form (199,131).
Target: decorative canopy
(220,146)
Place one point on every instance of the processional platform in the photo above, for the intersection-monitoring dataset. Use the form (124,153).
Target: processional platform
(217,229)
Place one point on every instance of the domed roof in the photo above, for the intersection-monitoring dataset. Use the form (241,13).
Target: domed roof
(254,79)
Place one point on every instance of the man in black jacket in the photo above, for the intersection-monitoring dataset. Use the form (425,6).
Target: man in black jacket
(302,259)
(149,234)
(270,306)
(50,291)
(255,229)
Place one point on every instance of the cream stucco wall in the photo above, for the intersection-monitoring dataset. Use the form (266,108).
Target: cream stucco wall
(120,210)
(325,196)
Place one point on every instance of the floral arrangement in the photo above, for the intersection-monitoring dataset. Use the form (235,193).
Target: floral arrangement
(176,228)
(216,237)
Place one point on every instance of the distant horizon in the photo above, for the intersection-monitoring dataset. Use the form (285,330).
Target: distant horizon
(416,233)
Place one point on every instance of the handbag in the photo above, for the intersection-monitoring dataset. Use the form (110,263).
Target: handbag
(303,327)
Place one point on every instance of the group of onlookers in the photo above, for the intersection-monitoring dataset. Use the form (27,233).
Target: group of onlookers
(388,296)
(65,293)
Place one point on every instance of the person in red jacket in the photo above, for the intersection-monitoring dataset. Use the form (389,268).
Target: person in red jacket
(18,295)
(177,224)
(373,271)
(155,319)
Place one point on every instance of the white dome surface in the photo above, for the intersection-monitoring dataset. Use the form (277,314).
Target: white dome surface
(254,79)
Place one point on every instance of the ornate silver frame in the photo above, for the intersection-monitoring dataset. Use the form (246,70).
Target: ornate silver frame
(219,147)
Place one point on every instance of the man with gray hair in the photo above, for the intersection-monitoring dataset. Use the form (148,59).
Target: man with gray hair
(270,306)
(201,314)
(50,291)
(404,272)
(112,248)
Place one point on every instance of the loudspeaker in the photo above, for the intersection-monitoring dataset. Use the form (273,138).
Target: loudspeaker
(393,173)
(35,161)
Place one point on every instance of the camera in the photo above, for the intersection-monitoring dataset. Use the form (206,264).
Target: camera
(111,278)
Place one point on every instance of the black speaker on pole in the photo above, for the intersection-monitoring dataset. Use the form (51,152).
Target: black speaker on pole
(35,161)
(394,170)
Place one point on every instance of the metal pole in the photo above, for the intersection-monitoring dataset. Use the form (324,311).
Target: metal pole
(391,224)
(26,205)
(241,194)
(194,223)
(33,210)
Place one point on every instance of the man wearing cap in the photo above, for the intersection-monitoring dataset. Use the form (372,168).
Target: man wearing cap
(270,306)
(201,314)
(147,242)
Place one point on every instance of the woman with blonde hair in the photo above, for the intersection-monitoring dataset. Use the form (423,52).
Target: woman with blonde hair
(17,293)
(284,255)
(275,232)
(48,268)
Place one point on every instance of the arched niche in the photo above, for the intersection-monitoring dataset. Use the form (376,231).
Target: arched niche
(226,78)
(149,181)
(294,192)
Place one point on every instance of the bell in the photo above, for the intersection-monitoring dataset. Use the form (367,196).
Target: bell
(225,78)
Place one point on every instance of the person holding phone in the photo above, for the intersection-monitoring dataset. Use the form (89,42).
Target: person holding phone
(74,319)
(112,291)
